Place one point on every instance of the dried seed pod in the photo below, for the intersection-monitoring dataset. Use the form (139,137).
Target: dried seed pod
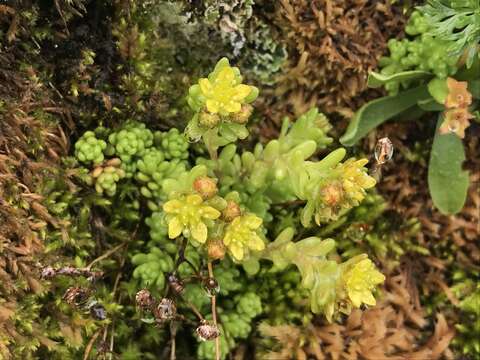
(76,296)
(216,249)
(383,150)
(176,283)
(211,286)
(97,310)
(144,300)
(165,310)
(207,331)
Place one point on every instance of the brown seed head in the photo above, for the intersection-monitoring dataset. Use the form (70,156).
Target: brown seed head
(165,311)
(144,299)
(207,331)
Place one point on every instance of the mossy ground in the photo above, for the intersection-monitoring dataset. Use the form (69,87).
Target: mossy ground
(70,66)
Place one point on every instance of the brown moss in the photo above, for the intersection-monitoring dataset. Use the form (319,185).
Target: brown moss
(30,149)
(332,46)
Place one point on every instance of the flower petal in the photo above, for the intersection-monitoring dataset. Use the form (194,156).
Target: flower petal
(213,106)
(175,227)
(226,75)
(199,232)
(232,106)
(205,86)
(209,212)
(172,206)
(241,92)
(237,251)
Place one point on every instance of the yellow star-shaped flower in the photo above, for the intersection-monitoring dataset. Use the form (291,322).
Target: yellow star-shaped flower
(187,214)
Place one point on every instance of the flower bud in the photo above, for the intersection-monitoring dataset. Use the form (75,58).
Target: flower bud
(243,115)
(208,120)
(216,249)
(205,186)
(231,211)
(207,331)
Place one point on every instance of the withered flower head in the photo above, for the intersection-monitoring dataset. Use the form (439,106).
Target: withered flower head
(48,272)
(207,331)
(165,310)
(456,121)
(76,296)
(216,249)
(97,311)
(144,299)
(458,94)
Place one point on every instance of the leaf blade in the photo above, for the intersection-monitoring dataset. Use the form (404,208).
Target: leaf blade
(447,182)
(380,110)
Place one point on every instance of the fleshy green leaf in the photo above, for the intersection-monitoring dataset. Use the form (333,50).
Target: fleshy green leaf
(380,110)
(447,182)
(438,89)
(376,80)
(430,105)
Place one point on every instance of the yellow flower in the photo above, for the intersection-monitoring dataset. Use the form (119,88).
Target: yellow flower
(458,94)
(186,214)
(241,236)
(223,94)
(360,280)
